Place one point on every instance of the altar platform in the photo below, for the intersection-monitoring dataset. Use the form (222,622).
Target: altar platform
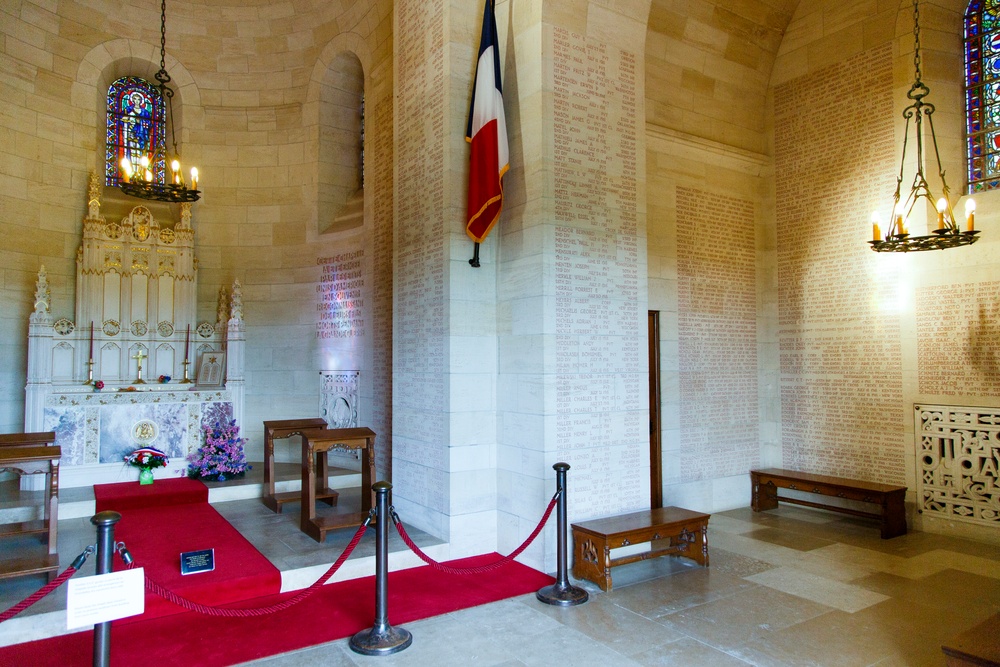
(299,558)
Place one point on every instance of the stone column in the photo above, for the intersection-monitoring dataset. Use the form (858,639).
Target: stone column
(539,355)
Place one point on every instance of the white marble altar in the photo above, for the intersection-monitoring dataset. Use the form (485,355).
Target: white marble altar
(128,362)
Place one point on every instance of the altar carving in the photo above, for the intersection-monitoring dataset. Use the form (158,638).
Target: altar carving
(133,341)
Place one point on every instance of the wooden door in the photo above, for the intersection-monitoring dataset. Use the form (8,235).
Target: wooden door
(655,449)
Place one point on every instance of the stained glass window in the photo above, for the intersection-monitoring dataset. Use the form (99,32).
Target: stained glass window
(136,128)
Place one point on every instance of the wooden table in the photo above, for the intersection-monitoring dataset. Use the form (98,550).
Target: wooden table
(28,459)
(277,430)
(315,445)
(764,485)
(594,540)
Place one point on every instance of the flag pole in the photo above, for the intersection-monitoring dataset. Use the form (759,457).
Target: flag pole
(474,262)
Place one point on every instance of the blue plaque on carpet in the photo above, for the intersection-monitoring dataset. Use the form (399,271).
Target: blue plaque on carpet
(202,560)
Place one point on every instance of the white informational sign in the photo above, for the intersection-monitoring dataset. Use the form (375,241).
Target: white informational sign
(104,597)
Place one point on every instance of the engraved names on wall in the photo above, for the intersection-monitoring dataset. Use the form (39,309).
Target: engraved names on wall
(601,396)
(717,329)
(419,409)
(958,339)
(840,349)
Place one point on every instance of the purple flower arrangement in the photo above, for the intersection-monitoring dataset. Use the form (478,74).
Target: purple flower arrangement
(222,456)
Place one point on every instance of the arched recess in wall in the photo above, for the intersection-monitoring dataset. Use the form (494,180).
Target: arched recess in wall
(340,202)
(107,62)
(333,125)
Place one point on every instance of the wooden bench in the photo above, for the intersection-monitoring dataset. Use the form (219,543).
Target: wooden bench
(27,454)
(279,429)
(979,646)
(594,540)
(889,499)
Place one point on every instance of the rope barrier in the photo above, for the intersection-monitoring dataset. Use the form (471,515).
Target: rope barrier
(170,596)
(482,568)
(49,587)
(154,587)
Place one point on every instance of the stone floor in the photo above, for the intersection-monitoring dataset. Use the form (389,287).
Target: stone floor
(791,587)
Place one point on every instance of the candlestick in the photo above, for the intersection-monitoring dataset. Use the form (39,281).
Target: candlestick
(186,379)
(90,373)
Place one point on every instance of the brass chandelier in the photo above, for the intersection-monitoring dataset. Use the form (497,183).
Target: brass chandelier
(948,233)
(137,179)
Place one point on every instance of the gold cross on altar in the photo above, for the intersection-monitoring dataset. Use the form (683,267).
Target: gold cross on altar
(139,356)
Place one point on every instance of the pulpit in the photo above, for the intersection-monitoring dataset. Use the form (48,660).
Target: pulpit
(316,443)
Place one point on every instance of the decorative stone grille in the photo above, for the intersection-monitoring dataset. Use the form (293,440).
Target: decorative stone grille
(958,455)
(339,398)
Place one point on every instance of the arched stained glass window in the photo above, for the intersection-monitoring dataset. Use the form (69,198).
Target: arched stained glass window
(136,128)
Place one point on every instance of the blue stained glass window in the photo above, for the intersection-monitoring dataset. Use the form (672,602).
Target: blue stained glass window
(982,93)
(136,128)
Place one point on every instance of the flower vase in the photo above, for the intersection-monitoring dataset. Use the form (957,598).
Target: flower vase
(145,476)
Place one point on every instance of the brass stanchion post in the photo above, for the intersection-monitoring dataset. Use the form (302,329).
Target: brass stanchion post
(562,593)
(105,522)
(382,638)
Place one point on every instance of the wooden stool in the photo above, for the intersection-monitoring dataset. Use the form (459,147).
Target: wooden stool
(315,445)
(28,454)
(278,430)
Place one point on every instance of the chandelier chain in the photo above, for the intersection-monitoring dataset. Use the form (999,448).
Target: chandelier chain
(916,39)
(163,34)
(168,192)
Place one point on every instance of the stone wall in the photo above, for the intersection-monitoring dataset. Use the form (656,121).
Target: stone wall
(866,337)
(247,101)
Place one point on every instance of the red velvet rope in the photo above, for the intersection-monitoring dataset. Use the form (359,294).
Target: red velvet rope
(38,595)
(154,587)
(482,568)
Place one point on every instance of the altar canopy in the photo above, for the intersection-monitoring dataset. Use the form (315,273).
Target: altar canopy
(132,367)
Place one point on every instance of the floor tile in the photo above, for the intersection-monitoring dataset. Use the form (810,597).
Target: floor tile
(829,592)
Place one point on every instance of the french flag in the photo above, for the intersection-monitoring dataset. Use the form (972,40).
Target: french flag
(487,133)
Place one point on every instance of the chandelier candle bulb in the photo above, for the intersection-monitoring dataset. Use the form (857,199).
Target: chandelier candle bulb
(942,205)
(126,169)
(970,214)
(175,167)
(876,223)
(194,178)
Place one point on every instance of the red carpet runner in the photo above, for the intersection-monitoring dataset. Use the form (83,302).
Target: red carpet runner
(334,612)
(164,519)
